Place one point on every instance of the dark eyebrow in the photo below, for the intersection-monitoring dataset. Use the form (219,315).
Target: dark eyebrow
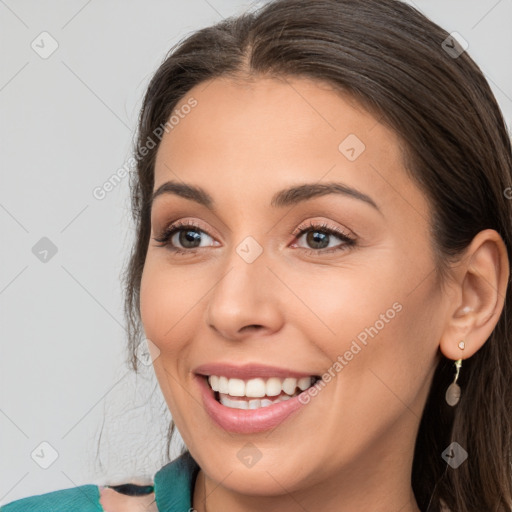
(286,197)
(294,195)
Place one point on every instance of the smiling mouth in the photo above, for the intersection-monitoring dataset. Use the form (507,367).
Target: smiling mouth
(258,392)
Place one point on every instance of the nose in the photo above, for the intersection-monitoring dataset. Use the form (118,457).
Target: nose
(246,301)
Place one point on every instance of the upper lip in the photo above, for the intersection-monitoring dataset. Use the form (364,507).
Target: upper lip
(248,371)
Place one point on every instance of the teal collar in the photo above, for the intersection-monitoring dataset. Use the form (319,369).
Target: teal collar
(174,484)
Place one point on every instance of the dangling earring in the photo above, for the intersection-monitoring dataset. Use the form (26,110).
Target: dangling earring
(452,395)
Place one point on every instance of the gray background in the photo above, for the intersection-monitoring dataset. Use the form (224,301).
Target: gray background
(66,125)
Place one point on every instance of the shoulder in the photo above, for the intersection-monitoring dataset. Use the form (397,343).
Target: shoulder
(88,498)
(83,498)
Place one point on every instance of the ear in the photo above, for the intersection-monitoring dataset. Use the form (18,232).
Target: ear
(480,284)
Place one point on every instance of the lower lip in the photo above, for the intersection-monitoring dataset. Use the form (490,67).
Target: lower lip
(246,421)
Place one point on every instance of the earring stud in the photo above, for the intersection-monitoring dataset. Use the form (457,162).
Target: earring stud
(462,345)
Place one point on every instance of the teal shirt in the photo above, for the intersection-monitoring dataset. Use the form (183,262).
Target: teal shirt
(173,483)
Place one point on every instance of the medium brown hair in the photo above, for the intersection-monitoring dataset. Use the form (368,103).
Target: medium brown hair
(389,57)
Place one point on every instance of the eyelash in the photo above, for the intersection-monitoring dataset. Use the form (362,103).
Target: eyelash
(168,232)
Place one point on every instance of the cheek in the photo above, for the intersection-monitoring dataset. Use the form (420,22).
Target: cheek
(337,305)
(170,303)
(375,324)
(391,373)
(152,302)
(167,315)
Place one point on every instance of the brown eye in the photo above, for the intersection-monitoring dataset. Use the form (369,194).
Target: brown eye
(187,236)
(319,236)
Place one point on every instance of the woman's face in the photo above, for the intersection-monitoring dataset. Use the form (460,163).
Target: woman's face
(249,289)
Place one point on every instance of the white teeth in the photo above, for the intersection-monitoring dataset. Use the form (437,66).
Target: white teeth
(274,386)
(214,381)
(234,404)
(258,387)
(250,404)
(253,404)
(223,385)
(304,383)
(255,388)
(289,385)
(236,387)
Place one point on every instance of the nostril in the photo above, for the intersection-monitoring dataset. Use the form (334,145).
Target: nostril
(251,327)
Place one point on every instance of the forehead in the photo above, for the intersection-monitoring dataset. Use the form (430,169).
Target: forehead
(260,136)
